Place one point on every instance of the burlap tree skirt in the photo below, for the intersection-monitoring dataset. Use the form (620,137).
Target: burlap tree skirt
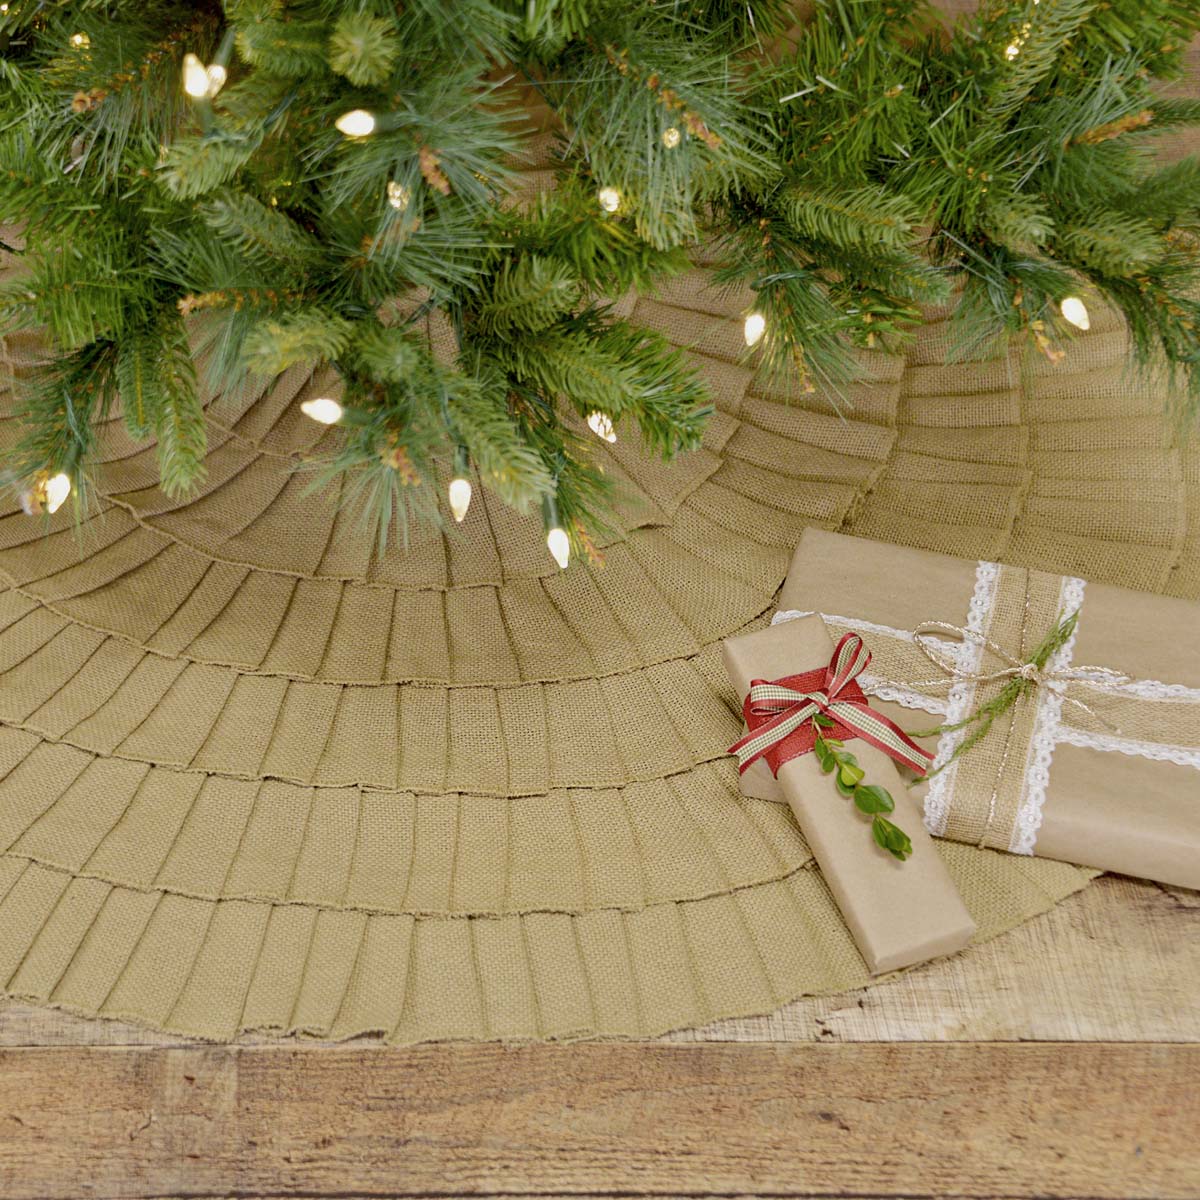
(258,776)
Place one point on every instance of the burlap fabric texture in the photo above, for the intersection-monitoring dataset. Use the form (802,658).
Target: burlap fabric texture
(257,776)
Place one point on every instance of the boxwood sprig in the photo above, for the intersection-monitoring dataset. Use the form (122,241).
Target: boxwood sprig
(869,798)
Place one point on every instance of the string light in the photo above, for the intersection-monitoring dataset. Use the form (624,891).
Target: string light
(459,492)
(460,497)
(601,425)
(1076,312)
(58,488)
(557,541)
(216,78)
(195,78)
(1012,50)
(559,546)
(671,137)
(323,409)
(755,327)
(48,494)
(356,123)
(610,199)
(398,195)
(80,41)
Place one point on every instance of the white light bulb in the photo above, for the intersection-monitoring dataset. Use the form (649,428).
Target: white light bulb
(1012,50)
(559,546)
(58,488)
(216,78)
(460,497)
(610,199)
(80,40)
(398,195)
(601,425)
(195,77)
(323,409)
(356,123)
(1076,312)
(755,327)
(671,137)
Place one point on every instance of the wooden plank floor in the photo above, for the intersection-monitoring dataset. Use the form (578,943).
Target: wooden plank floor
(1050,1120)
(1059,1060)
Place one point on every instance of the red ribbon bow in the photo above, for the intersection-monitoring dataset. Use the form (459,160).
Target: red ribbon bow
(779,714)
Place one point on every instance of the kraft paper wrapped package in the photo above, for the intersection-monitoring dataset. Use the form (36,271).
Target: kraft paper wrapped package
(1098,765)
(899,913)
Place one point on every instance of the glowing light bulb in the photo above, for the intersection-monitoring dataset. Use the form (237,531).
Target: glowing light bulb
(1012,50)
(601,425)
(755,327)
(80,41)
(58,488)
(1076,312)
(460,497)
(216,78)
(559,546)
(610,199)
(323,409)
(195,77)
(671,137)
(398,195)
(3,9)
(356,123)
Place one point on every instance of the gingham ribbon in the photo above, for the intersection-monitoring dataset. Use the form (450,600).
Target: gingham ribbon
(779,714)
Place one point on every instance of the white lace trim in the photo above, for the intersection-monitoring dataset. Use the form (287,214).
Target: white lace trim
(793,614)
(1047,727)
(960,698)
(1147,689)
(1184,756)
(874,686)
(949,648)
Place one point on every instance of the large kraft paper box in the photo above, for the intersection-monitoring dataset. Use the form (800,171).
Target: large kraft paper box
(899,913)
(1102,772)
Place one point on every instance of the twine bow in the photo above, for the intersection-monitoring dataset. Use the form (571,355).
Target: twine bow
(1022,677)
(779,714)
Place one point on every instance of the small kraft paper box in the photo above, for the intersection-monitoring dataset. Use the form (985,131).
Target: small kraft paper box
(899,913)
(1097,763)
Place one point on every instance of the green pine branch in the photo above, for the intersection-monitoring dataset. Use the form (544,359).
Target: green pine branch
(528,295)
(305,336)
(873,163)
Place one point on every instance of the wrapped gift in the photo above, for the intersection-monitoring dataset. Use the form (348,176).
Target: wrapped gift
(899,911)
(1095,760)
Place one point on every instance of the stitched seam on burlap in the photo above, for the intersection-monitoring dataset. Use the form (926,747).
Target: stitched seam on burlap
(741,623)
(415,914)
(186,769)
(213,914)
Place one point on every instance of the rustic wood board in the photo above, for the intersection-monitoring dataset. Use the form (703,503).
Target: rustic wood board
(1051,1120)
(1119,961)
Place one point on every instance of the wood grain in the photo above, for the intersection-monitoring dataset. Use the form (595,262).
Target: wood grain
(1050,1120)
(1118,961)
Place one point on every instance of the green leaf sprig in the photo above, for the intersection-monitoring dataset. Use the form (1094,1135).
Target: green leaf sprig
(1016,687)
(869,798)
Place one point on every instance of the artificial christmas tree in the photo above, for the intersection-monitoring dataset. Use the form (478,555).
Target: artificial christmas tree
(259,185)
